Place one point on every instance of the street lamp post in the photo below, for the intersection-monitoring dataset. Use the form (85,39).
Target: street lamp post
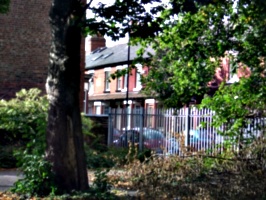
(127,92)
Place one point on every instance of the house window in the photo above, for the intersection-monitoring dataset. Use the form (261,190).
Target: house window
(98,107)
(138,83)
(125,82)
(149,115)
(107,71)
(106,109)
(119,83)
(106,80)
(97,110)
(138,77)
(91,85)
(90,108)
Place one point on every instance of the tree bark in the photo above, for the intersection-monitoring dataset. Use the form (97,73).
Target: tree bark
(65,147)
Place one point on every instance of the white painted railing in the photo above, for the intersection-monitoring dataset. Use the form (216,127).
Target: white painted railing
(171,131)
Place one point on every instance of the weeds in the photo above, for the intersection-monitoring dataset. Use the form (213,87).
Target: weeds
(197,176)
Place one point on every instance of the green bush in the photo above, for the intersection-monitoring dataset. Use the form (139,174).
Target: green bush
(22,125)
(105,159)
(24,119)
(114,156)
(23,122)
(38,177)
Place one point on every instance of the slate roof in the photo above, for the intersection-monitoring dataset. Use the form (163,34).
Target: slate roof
(122,95)
(110,56)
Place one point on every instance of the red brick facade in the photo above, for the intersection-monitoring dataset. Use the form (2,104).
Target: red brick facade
(24,46)
(25,39)
(95,42)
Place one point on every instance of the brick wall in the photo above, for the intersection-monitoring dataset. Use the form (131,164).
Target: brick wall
(94,42)
(25,38)
(24,46)
(99,81)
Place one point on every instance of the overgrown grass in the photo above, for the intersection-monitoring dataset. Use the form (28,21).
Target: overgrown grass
(198,176)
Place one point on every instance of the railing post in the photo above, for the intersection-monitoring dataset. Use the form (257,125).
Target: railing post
(110,129)
(187,142)
(141,129)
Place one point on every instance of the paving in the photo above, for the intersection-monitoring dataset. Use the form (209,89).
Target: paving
(8,178)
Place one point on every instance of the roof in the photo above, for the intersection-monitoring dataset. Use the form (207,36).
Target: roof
(122,95)
(116,55)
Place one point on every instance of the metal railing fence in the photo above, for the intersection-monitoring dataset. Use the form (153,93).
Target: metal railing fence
(174,131)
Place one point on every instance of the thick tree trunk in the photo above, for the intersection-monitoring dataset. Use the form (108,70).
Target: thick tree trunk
(65,148)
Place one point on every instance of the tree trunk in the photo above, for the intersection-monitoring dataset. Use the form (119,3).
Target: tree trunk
(65,147)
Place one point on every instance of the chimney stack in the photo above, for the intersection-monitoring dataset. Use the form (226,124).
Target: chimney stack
(94,42)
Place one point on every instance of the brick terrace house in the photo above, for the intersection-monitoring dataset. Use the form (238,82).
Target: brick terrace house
(100,94)
(25,39)
(101,61)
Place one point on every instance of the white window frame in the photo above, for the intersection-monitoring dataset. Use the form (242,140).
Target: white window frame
(139,71)
(119,81)
(107,70)
(124,86)
(90,84)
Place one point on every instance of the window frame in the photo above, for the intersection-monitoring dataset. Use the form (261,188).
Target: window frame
(107,84)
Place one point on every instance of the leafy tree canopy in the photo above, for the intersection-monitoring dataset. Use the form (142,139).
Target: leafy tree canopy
(245,100)
(4,6)
(121,17)
(194,36)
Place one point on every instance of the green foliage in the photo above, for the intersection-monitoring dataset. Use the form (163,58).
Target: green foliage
(4,6)
(194,37)
(111,157)
(96,159)
(24,118)
(38,178)
(99,190)
(23,121)
(87,125)
(238,104)
(120,17)
(101,186)
(114,157)
(186,57)
(23,124)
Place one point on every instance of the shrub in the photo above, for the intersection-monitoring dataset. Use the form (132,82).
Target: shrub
(111,157)
(22,125)
(38,177)
(24,119)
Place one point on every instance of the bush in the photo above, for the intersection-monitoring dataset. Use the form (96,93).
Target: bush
(38,178)
(111,157)
(22,125)
(23,120)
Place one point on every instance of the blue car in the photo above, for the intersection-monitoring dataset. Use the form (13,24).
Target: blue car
(201,139)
